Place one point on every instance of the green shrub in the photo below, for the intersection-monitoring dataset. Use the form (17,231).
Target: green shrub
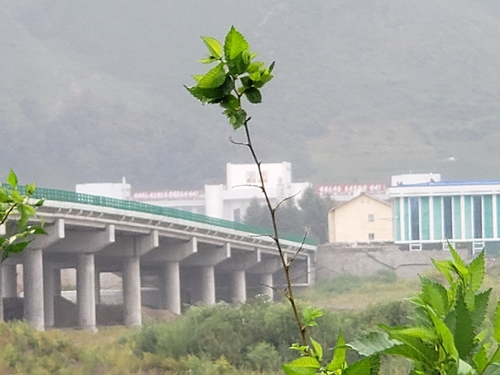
(263,357)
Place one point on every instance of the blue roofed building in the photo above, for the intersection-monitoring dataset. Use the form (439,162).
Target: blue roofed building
(428,214)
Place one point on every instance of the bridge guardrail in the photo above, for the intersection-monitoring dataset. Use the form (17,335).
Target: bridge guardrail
(95,200)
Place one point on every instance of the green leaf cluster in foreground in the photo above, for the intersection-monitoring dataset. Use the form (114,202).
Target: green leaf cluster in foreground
(448,335)
(234,76)
(14,203)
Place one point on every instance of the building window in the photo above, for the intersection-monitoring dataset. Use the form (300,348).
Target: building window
(251,177)
(371,236)
(478,216)
(371,217)
(415,218)
(447,218)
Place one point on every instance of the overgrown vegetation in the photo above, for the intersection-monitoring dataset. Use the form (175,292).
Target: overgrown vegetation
(254,337)
(219,339)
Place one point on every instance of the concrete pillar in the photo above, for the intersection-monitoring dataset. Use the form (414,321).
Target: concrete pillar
(238,286)
(9,280)
(57,281)
(170,287)
(33,288)
(207,285)
(132,291)
(48,294)
(85,291)
(266,283)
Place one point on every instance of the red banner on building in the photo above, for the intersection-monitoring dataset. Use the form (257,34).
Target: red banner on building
(167,195)
(351,189)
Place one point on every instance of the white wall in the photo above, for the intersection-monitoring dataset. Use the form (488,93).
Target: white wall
(111,190)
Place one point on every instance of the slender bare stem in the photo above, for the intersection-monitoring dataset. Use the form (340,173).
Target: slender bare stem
(7,214)
(272,210)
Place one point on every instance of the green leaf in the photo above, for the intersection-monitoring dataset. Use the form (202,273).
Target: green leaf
(39,203)
(339,354)
(37,230)
(230,102)
(318,349)
(253,95)
(458,263)
(446,336)
(464,331)
(215,95)
(214,78)
(310,315)
(254,67)
(412,347)
(434,295)
(401,334)
(493,369)
(208,60)
(264,78)
(477,270)
(237,118)
(415,351)
(213,45)
(14,248)
(367,366)
(255,76)
(480,359)
(496,322)
(372,343)
(302,366)
(239,64)
(246,82)
(271,67)
(12,179)
(481,304)
(445,267)
(234,44)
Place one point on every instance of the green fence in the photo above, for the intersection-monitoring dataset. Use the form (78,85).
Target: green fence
(70,196)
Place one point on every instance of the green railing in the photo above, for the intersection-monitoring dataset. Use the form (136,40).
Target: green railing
(70,196)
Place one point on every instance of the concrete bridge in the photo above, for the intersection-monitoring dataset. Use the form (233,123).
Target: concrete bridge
(188,258)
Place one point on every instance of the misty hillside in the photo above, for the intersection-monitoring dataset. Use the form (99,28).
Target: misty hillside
(92,91)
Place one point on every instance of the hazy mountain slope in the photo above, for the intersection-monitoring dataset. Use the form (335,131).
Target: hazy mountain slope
(363,89)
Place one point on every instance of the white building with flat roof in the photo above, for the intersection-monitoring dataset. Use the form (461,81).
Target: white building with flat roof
(224,201)
(230,200)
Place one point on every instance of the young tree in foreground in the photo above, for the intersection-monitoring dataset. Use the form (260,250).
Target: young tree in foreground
(14,203)
(237,76)
(448,335)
